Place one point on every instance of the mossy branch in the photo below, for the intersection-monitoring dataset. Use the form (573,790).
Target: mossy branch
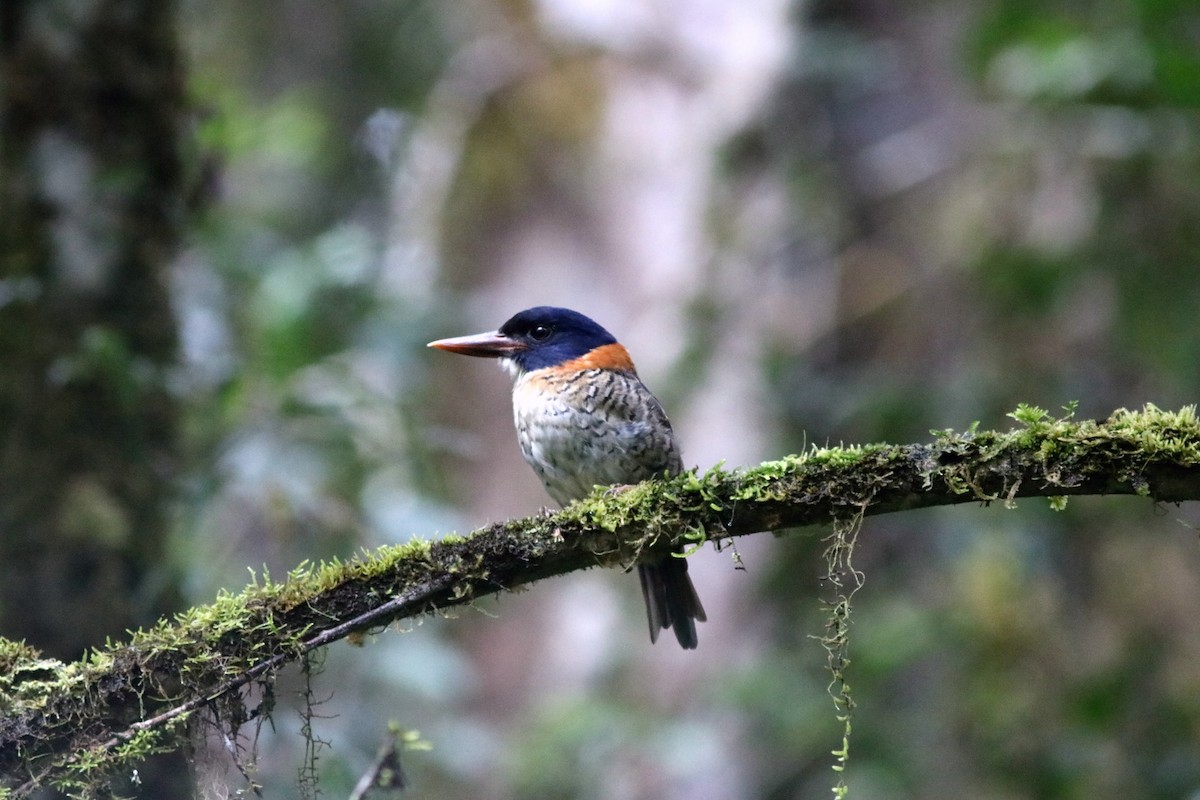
(67,724)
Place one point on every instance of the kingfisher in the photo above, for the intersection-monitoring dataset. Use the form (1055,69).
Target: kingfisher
(585,419)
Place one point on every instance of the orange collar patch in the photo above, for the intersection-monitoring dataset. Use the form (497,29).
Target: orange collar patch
(608,356)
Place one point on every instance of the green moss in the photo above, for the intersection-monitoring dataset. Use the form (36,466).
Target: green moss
(14,655)
(1030,416)
(90,770)
(1171,434)
(199,652)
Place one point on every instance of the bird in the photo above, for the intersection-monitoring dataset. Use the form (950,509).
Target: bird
(585,419)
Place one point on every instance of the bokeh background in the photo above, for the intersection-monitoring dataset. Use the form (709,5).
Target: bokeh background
(810,222)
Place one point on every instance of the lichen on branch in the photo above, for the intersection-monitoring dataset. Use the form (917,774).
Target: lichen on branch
(69,725)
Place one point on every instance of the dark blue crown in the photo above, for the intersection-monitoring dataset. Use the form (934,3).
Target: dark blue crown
(553,336)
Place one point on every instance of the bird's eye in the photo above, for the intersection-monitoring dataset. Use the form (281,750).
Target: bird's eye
(540,333)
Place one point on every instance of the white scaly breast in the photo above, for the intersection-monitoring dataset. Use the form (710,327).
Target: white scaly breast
(579,429)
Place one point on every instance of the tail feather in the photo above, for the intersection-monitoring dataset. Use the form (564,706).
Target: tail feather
(671,600)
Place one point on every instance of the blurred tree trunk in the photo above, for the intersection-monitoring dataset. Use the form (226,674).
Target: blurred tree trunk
(91,211)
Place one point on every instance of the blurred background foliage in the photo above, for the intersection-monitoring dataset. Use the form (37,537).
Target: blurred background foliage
(810,222)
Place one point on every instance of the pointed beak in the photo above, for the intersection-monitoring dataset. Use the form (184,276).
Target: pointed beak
(484,345)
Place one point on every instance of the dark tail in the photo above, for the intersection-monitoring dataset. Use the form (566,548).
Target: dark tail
(671,600)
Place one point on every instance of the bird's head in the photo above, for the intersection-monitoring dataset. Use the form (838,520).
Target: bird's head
(542,337)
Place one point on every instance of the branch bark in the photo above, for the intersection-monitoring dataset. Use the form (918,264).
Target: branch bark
(66,724)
